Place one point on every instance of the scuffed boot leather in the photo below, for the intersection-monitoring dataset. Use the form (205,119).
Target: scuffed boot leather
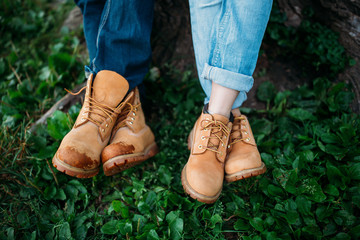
(79,151)
(243,158)
(203,175)
(132,141)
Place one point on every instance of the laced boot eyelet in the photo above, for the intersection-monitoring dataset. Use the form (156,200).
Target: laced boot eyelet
(107,125)
(203,138)
(103,129)
(132,119)
(248,139)
(200,147)
(131,123)
(134,114)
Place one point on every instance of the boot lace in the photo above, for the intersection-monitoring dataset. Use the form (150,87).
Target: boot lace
(217,130)
(103,112)
(237,121)
(128,114)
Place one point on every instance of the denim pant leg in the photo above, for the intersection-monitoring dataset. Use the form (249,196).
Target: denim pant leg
(92,12)
(227,35)
(120,39)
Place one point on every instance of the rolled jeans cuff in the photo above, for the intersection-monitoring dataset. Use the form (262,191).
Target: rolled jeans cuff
(229,79)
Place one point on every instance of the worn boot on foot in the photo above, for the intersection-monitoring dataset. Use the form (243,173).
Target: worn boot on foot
(79,151)
(243,158)
(132,141)
(203,175)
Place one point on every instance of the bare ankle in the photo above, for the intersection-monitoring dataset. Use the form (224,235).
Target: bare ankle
(222,99)
(219,110)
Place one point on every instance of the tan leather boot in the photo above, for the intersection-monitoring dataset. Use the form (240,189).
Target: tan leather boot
(243,158)
(79,151)
(203,175)
(132,141)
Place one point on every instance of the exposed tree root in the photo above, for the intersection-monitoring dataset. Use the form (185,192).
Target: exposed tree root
(63,104)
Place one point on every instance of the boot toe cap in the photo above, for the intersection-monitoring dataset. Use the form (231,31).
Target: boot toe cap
(206,183)
(71,156)
(237,162)
(116,149)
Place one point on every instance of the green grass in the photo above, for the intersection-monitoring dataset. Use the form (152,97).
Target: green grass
(308,138)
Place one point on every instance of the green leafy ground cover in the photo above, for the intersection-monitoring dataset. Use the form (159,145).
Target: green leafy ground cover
(309,140)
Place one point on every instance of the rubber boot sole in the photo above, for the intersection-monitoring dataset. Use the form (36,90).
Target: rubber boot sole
(247,173)
(120,163)
(73,171)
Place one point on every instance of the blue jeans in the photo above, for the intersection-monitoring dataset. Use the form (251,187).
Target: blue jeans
(117,34)
(227,35)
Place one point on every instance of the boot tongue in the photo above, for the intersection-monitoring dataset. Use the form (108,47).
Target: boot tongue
(236,126)
(109,88)
(125,108)
(223,119)
(236,114)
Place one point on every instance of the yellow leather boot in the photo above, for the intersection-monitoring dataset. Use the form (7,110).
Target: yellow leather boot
(203,175)
(132,141)
(243,158)
(79,151)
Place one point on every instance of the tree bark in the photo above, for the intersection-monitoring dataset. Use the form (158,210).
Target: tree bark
(343,16)
(171,36)
(63,104)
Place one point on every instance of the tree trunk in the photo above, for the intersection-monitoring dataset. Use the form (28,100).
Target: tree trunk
(171,35)
(343,16)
